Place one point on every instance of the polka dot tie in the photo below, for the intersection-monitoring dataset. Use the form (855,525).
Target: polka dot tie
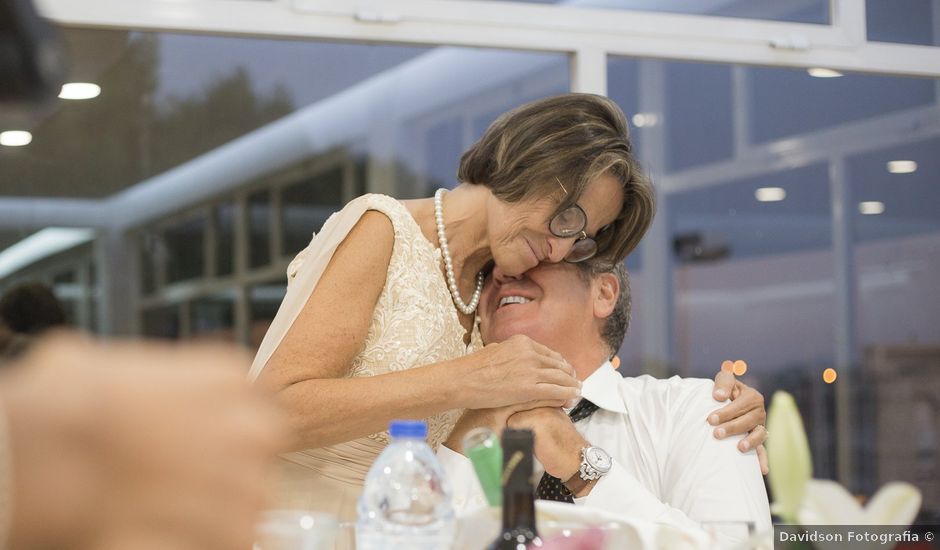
(550,487)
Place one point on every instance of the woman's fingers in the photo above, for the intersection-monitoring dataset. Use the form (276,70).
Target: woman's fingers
(724,384)
(749,400)
(762,459)
(740,425)
(753,439)
(554,392)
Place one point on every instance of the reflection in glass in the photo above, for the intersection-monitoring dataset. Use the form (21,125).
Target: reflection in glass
(306,205)
(798,11)
(184,248)
(213,317)
(259,229)
(264,302)
(789,102)
(910,22)
(225,239)
(161,322)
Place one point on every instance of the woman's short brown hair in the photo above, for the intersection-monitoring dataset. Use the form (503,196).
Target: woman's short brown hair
(569,139)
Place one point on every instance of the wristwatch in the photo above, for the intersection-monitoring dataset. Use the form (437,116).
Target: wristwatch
(595,463)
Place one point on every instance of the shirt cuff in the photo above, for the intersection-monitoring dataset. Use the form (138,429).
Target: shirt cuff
(458,470)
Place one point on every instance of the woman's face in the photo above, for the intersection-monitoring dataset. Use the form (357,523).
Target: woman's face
(519,234)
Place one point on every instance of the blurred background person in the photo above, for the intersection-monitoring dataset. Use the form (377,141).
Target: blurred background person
(31,308)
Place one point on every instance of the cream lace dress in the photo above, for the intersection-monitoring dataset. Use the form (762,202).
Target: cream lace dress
(414,323)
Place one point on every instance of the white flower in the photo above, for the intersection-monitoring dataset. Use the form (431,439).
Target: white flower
(828,503)
(791,466)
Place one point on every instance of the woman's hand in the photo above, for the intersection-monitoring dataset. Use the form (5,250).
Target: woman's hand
(744,415)
(519,370)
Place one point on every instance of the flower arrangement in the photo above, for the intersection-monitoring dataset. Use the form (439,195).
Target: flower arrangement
(801,500)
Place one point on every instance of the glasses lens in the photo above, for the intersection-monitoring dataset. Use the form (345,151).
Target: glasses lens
(583,249)
(568,223)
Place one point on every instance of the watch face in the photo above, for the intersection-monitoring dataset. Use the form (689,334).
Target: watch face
(598,459)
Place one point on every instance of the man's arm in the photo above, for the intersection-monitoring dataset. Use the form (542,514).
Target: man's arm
(705,482)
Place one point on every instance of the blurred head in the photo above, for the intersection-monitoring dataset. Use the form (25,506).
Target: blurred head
(575,309)
(31,308)
(545,157)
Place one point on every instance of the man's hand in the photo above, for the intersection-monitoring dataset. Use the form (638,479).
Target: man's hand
(744,415)
(494,419)
(557,443)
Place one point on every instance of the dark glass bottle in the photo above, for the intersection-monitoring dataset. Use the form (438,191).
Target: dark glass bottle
(518,493)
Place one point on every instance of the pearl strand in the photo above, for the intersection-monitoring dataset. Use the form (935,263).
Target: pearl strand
(466,309)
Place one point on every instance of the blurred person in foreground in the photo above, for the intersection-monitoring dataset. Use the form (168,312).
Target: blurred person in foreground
(132,445)
(635,446)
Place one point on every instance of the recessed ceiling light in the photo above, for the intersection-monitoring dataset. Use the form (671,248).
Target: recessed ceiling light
(871,207)
(770,194)
(902,166)
(15,138)
(820,72)
(80,90)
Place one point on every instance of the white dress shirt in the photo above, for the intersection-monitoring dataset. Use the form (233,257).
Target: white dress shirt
(667,465)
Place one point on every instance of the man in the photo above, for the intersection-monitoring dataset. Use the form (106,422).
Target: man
(645,450)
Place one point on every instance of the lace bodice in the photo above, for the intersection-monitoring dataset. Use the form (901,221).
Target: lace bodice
(415,323)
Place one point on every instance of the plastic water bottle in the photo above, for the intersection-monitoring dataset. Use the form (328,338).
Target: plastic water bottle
(406,502)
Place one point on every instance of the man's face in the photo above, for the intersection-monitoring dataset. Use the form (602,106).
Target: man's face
(550,303)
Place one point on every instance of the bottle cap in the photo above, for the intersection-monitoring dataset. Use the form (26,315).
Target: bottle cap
(411,429)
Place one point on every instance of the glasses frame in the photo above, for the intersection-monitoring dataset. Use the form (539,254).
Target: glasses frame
(582,239)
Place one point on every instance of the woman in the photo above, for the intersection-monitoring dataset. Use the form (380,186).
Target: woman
(378,321)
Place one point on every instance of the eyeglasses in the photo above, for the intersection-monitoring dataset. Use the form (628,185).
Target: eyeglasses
(571,222)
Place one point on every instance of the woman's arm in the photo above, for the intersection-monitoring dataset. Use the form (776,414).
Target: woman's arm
(307,370)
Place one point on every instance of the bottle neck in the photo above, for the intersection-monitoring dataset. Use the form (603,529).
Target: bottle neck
(519,509)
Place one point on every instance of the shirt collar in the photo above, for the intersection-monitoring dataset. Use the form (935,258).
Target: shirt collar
(602,387)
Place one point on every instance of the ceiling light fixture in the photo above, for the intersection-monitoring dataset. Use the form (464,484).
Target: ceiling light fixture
(902,166)
(80,90)
(15,138)
(770,194)
(871,207)
(820,72)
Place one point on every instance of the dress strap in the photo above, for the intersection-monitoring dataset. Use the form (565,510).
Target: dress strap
(307,267)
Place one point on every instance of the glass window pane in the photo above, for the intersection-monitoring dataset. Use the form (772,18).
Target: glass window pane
(184,248)
(225,239)
(904,21)
(789,102)
(753,259)
(700,119)
(213,317)
(161,322)
(264,302)
(259,229)
(307,204)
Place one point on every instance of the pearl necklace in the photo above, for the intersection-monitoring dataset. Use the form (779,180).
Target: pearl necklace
(466,309)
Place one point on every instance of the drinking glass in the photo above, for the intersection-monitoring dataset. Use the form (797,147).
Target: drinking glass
(296,530)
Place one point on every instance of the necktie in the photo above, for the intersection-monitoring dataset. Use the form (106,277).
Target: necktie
(550,487)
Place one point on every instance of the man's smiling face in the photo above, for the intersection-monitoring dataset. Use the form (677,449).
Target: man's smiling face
(550,303)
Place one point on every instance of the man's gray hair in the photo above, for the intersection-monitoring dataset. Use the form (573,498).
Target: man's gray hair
(616,325)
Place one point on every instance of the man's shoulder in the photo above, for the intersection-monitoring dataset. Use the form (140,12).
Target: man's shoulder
(678,398)
(674,388)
